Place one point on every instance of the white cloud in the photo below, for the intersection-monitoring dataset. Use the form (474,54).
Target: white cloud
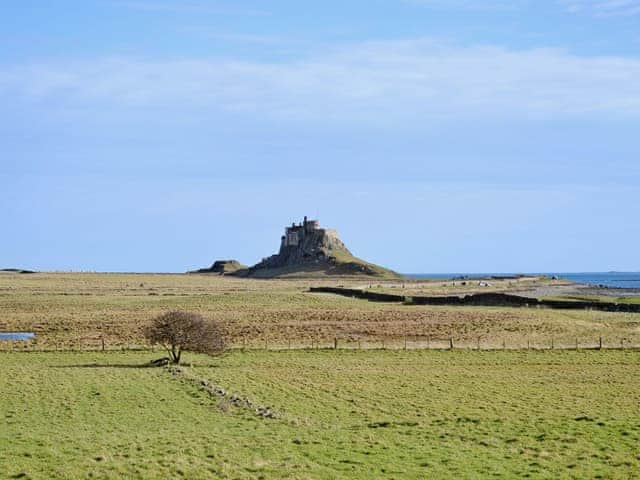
(604,7)
(380,81)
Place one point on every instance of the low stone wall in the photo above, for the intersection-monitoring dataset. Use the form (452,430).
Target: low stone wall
(363,294)
(481,300)
(498,299)
(434,300)
(604,306)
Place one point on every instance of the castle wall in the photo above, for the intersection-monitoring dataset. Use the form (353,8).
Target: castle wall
(292,239)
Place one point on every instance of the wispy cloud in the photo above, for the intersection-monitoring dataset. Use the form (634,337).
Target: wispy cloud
(603,7)
(393,82)
(173,6)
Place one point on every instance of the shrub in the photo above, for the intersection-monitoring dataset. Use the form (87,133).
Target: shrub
(178,331)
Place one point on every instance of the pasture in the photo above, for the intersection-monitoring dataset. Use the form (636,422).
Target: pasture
(341,414)
(80,310)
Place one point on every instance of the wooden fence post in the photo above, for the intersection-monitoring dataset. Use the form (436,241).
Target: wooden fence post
(359,345)
(528,345)
(600,344)
(102,340)
(576,344)
(451,344)
(551,343)
(335,343)
(405,343)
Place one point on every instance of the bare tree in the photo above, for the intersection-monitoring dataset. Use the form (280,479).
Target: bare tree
(178,330)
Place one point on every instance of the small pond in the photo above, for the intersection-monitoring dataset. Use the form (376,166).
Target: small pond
(14,336)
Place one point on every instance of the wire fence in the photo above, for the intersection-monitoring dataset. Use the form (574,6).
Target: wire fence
(435,343)
(98,344)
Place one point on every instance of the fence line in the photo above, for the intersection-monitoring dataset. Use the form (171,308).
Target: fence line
(433,343)
(340,343)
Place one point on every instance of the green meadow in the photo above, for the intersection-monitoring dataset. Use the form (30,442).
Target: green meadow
(340,414)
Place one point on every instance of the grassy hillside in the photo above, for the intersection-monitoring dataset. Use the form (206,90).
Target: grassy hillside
(354,415)
(341,265)
(349,263)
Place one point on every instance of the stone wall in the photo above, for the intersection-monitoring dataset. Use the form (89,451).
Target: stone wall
(481,300)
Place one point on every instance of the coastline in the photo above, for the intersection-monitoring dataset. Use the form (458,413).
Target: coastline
(581,289)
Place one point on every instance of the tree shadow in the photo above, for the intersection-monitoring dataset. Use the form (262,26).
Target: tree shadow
(133,365)
(106,365)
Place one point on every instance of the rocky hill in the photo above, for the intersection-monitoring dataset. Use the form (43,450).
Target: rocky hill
(223,267)
(308,250)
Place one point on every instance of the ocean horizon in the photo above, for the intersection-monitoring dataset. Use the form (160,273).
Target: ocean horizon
(608,279)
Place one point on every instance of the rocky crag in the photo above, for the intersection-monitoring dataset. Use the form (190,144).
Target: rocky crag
(223,267)
(307,249)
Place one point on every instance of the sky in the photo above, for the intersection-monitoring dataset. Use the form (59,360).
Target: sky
(434,135)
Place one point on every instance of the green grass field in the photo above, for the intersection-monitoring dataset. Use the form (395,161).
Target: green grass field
(369,414)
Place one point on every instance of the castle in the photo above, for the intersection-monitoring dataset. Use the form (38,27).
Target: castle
(304,243)
(304,247)
(295,234)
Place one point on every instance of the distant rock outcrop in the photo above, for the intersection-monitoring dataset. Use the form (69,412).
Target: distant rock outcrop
(16,270)
(307,249)
(223,267)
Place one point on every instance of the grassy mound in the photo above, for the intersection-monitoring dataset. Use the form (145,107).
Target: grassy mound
(339,264)
(223,267)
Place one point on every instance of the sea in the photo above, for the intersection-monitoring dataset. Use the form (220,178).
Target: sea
(608,279)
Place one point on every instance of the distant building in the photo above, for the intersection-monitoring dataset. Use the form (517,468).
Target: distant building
(294,234)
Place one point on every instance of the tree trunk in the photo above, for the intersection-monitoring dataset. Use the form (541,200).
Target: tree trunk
(175,354)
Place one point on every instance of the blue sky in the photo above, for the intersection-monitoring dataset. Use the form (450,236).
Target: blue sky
(435,135)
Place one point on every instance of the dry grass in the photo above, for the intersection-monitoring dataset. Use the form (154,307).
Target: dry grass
(69,309)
